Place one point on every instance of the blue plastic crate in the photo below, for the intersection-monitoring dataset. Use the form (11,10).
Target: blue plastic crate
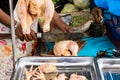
(114,7)
(111,76)
(112,23)
(114,30)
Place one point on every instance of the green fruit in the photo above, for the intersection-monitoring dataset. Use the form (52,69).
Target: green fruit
(69,8)
(81,4)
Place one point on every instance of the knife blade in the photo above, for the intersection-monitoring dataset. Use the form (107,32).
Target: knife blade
(54,37)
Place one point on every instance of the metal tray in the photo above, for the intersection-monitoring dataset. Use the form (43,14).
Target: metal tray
(79,65)
(109,68)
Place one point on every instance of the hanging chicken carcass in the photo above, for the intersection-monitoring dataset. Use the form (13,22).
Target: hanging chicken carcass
(29,10)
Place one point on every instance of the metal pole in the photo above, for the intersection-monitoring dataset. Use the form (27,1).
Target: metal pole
(12,32)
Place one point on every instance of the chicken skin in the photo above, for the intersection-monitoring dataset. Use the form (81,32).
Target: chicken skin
(29,10)
(77,77)
(66,48)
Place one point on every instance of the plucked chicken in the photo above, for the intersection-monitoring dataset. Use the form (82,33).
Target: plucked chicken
(62,76)
(24,17)
(29,10)
(66,48)
(45,72)
(77,77)
(29,73)
(47,68)
(39,75)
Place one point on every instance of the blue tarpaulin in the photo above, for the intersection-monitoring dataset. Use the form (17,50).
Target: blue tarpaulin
(93,45)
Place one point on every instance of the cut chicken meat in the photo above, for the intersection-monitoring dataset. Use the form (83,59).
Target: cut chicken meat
(38,75)
(77,77)
(66,48)
(47,68)
(29,73)
(62,76)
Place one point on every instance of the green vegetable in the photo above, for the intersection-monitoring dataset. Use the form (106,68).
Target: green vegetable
(78,20)
(41,20)
(81,4)
(69,8)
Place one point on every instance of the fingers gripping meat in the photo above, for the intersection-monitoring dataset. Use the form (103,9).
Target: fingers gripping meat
(24,17)
(66,48)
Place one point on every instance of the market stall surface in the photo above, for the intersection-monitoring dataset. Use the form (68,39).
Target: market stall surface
(93,45)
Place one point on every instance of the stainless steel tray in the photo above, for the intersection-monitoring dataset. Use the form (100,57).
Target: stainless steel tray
(79,65)
(109,68)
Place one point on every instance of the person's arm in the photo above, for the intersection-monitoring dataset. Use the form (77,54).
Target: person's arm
(4,18)
(57,21)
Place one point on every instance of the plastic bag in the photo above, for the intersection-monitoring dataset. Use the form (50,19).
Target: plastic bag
(101,3)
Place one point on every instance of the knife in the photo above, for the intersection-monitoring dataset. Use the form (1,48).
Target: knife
(54,37)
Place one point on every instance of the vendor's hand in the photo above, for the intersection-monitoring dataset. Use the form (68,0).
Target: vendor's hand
(62,28)
(27,37)
(65,28)
(57,22)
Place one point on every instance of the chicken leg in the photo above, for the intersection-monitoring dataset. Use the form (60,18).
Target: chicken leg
(43,9)
(49,12)
(23,16)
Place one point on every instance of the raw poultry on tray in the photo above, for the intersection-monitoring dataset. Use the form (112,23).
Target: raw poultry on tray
(49,72)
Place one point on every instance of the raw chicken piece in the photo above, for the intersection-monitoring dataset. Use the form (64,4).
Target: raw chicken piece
(62,76)
(66,48)
(43,9)
(29,10)
(37,8)
(23,16)
(47,68)
(29,73)
(77,77)
(38,76)
(55,78)
(49,12)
